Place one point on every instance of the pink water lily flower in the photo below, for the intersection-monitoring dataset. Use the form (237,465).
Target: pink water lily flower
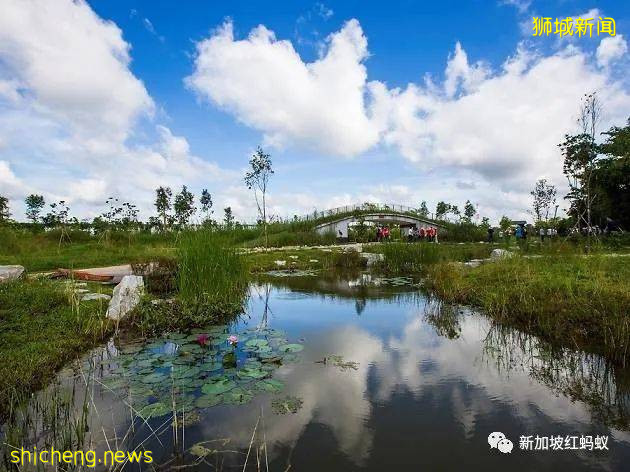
(202,339)
(232,340)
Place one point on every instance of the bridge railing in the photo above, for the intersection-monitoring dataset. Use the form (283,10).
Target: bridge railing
(361,207)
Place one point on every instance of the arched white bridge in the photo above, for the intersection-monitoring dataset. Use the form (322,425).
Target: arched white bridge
(405,220)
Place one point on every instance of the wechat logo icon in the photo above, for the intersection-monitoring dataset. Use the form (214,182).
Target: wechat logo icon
(497,440)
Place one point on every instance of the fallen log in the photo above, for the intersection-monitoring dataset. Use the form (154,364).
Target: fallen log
(82,275)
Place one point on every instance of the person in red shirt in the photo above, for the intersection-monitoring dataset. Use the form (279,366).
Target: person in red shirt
(422,234)
(386,233)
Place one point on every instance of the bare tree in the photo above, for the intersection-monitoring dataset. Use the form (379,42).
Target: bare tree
(257,179)
(580,156)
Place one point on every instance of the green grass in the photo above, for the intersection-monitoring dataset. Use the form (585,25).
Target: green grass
(405,258)
(42,327)
(578,301)
(211,285)
(42,251)
(210,270)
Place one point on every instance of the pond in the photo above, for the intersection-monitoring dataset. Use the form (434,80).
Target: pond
(339,372)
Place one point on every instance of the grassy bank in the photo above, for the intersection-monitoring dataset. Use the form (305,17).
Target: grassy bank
(211,280)
(404,258)
(42,251)
(579,301)
(42,327)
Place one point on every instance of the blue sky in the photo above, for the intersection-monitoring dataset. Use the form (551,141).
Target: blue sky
(399,102)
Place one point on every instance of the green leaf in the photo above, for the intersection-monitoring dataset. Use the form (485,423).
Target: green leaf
(218,387)
(208,400)
(153,378)
(269,385)
(290,348)
(237,396)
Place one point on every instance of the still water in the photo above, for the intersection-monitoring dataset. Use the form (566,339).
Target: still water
(385,379)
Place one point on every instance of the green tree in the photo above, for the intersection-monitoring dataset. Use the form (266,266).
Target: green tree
(257,179)
(34,205)
(423,211)
(611,182)
(505,223)
(206,203)
(455,211)
(228,217)
(4,209)
(441,210)
(469,211)
(184,206)
(163,204)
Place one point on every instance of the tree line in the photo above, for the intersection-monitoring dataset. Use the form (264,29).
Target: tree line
(172,211)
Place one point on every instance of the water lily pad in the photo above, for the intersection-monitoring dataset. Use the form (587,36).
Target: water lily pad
(253,373)
(208,400)
(211,366)
(237,396)
(183,372)
(290,348)
(155,410)
(288,404)
(257,343)
(269,385)
(153,378)
(218,387)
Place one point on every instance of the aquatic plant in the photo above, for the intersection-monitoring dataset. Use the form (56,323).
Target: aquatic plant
(338,361)
(211,276)
(204,376)
(570,300)
(202,339)
(287,404)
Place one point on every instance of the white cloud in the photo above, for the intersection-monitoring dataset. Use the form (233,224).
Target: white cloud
(521,5)
(503,125)
(73,64)
(266,85)
(11,185)
(70,105)
(611,49)
(460,74)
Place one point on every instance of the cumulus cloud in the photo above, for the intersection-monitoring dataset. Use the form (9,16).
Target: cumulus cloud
(73,64)
(501,125)
(265,84)
(70,106)
(12,186)
(611,49)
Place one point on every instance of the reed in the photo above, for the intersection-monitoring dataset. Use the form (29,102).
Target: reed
(210,270)
(409,258)
(579,301)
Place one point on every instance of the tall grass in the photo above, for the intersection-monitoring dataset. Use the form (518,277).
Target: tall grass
(408,258)
(583,302)
(210,272)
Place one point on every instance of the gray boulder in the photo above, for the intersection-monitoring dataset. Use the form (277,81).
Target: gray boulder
(11,272)
(94,296)
(372,258)
(125,297)
(499,253)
